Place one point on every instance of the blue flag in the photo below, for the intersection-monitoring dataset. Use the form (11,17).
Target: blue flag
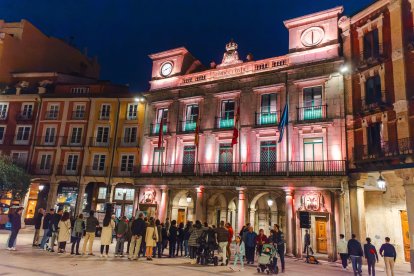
(284,120)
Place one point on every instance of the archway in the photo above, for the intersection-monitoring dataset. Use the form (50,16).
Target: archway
(182,210)
(217,209)
(263,216)
(232,213)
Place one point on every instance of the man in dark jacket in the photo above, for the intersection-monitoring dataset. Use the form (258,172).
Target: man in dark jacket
(54,229)
(37,224)
(172,238)
(355,253)
(90,229)
(222,239)
(250,243)
(370,253)
(137,234)
(387,251)
(46,228)
(279,242)
(16,224)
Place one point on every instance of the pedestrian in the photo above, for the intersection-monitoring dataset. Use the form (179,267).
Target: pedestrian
(239,252)
(260,240)
(172,238)
(54,229)
(47,220)
(243,233)
(187,229)
(307,243)
(343,251)
(222,239)
(143,249)
(129,235)
(151,238)
(64,229)
(250,244)
(16,224)
(355,253)
(370,253)
(37,224)
(387,251)
(121,231)
(180,239)
(90,230)
(137,234)
(158,247)
(195,233)
(280,242)
(77,233)
(106,234)
(229,240)
(164,237)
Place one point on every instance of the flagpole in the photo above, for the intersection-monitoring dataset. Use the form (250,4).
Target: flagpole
(239,128)
(287,124)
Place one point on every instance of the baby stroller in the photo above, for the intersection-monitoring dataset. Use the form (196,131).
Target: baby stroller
(265,260)
(205,253)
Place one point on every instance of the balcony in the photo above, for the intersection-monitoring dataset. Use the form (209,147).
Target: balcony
(263,119)
(72,141)
(24,117)
(188,126)
(155,128)
(78,115)
(312,114)
(46,141)
(99,142)
(224,122)
(51,115)
(41,171)
(96,171)
(104,116)
(384,150)
(68,170)
(292,168)
(372,105)
(369,57)
(128,142)
(125,172)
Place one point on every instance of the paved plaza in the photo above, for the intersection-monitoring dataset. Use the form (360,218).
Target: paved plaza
(29,261)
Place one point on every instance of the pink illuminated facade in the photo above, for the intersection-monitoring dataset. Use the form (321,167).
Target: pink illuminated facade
(258,180)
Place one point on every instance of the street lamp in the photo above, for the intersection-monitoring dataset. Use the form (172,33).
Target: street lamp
(344,69)
(189,198)
(270,202)
(381,182)
(41,187)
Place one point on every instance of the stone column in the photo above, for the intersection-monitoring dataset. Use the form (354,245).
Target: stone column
(79,199)
(241,211)
(199,204)
(52,195)
(289,222)
(357,203)
(163,204)
(345,204)
(252,217)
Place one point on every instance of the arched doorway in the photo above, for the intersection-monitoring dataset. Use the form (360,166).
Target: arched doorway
(232,213)
(263,215)
(217,209)
(183,207)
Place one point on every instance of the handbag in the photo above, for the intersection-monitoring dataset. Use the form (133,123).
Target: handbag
(154,235)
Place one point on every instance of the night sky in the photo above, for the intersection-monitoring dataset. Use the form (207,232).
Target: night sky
(121,33)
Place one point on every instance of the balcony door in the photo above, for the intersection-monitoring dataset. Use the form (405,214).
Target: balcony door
(225,158)
(191,117)
(157,159)
(313,154)
(312,103)
(371,44)
(189,158)
(268,113)
(162,115)
(374,138)
(227,114)
(267,156)
(373,94)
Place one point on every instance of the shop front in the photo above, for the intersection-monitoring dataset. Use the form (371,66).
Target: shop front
(66,197)
(123,199)
(36,199)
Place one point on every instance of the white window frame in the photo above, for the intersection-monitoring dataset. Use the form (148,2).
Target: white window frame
(19,152)
(108,116)
(28,104)
(126,140)
(46,127)
(71,135)
(101,140)
(20,141)
(41,155)
(127,168)
(56,110)
(67,162)
(132,114)
(96,167)
(79,108)
(4,110)
(4,133)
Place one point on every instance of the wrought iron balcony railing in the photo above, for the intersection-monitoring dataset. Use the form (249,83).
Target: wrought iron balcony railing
(23,116)
(100,142)
(37,170)
(155,128)
(51,114)
(78,115)
(384,150)
(312,113)
(96,171)
(126,171)
(69,170)
(46,141)
(224,122)
(128,142)
(187,126)
(267,118)
(371,104)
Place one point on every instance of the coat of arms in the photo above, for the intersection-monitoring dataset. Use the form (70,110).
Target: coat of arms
(312,202)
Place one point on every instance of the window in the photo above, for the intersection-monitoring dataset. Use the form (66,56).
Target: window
(19,158)
(312,103)
(227,114)
(374,137)
(225,158)
(50,135)
(189,159)
(127,163)
(130,135)
(371,45)
(105,111)
(102,193)
(268,113)
(124,194)
(72,164)
(27,111)
(76,137)
(157,160)
(99,162)
(267,156)
(191,117)
(45,161)
(132,111)
(79,90)
(373,94)
(102,135)
(53,112)
(2,133)
(23,134)
(162,115)
(79,111)
(313,154)
(3,111)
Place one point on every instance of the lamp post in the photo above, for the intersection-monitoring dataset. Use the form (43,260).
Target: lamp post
(41,187)
(381,183)
(189,199)
(270,204)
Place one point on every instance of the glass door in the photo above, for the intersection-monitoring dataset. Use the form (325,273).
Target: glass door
(313,154)
(225,158)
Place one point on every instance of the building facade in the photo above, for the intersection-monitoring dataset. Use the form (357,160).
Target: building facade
(378,43)
(258,180)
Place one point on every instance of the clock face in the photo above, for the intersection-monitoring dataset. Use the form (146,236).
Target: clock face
(312,36)
(166,69)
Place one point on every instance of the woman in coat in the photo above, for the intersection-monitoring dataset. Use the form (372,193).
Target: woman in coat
(151,238)
(195,233)
(106,235)
(77,233)
(63,232)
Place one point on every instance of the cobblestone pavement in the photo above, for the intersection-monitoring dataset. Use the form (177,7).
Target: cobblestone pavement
(29,261)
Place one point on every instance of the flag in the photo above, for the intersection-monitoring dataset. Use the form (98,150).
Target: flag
(284,120)
(161,134)
(236,127)
(197,133)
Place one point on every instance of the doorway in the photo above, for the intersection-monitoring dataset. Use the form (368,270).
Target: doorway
(406,235)
(181,216)
(321,236)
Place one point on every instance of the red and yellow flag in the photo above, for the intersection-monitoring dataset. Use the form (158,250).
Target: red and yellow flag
(236,127)
(197,133)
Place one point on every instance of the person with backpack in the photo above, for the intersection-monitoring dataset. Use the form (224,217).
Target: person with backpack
(371,255)
(186,237)
(355,253)
(121,230)
(77,233)
(47,220)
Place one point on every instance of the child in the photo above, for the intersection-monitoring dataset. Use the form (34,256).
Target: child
(238,254)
